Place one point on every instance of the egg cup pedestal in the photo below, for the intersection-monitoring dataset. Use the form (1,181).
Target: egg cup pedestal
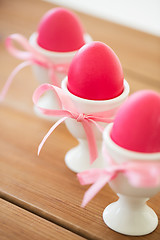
(129,215)
(48,100)
(78,158)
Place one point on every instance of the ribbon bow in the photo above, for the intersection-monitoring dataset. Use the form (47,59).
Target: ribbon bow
(138,173)
(69,111)
(30,56)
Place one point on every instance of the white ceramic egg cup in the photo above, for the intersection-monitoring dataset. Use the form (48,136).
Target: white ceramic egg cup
(130,215)
(78,159)
(48,100)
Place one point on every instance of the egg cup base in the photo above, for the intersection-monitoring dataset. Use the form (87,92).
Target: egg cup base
(77,159)
(130,216)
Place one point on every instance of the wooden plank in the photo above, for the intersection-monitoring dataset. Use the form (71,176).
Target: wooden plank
(17,223)
(137,82)
(43,184)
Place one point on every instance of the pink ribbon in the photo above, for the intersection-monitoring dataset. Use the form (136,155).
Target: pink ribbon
(30,56)
(69,111)
(138,173)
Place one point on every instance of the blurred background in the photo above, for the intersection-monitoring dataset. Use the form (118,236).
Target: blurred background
(143,15)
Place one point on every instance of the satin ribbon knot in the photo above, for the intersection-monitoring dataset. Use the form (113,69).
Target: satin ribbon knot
(30,56)
(70,111)
(140,174)
(81,117)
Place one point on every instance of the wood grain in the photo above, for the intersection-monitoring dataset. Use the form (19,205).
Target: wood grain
(43,185)
(18,224)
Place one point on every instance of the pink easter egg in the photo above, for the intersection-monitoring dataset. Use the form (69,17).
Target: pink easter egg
(61,31)
(95,73)
(137,123)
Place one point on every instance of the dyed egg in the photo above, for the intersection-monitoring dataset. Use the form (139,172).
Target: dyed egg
(61,31)
(95,73)
(137,123)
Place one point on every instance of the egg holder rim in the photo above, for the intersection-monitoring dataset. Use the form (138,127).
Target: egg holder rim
(132,155)
(108,102)
(33,38)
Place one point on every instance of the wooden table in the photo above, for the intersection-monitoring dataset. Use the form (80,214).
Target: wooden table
(40,197)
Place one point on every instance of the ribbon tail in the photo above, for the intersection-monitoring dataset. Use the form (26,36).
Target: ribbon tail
(11,77)
(95,188)
(53,78)
(63,68)
(89,176)
(49,133)
(108,160)
(91,140)
(100,128)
